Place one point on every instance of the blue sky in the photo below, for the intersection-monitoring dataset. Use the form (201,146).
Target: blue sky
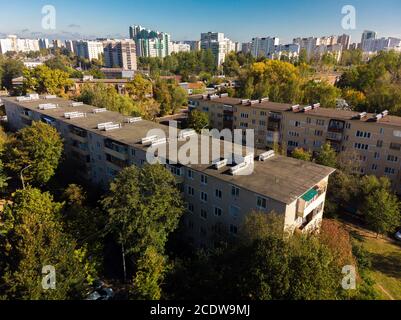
(185,19)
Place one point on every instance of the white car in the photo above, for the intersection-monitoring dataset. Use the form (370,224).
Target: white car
(398,235)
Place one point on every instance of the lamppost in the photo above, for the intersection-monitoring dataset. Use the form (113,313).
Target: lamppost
(22,177)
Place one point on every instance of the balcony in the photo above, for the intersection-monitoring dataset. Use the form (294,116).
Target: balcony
(116,149)
(334,136)
(311,222)
(116,154)
(336,126)
(309,202)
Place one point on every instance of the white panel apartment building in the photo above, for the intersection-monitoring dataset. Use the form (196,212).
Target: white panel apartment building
(120,54)
(12,43)
(218,44)
(88,49)
(217,196)
(263,47)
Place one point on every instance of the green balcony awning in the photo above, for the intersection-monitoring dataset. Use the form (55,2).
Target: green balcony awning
(309,195)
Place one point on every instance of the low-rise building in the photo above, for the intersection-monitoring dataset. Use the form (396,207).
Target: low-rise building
(217,196)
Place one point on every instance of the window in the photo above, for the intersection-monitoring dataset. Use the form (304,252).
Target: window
(379,143)
(392,158)
(233,229)
(318,133)
(235,191)
(234,211)
(381,131)
(203,231)
(297,124)
(190,174)
(361,146)
(363,134)
(395,146)
(262,123)
(217,211)
(218,193)
(377,155)
(374,167)
(262,113)
(190,207)
(317,144)
(243,125)
(320,122)
(203,179)
(203,214)
(348,125)
(308,120)
(133,152)
(261,203)
(293,134)
(244,115)
(292,143)
(204,196)
(389,170)
(191,191)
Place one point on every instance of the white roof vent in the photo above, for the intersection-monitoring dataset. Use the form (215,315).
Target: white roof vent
(264,99)
(133,119)
(50,97)
(248,159)
(266,155)
(308,108)
(362,115)
(47,106)
(253,102)
(223,95)
(158,142)
(316,106)
(385,113)
(77,104)
(295,108)
(34,96)
(183,134)
(244,101)
(101,126)
(99,110)
(113,126)
(22,99)
(218,164)
(149,139)
(74,115)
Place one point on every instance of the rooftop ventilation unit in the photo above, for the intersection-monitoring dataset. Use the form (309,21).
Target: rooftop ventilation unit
(50,97)
(223,95)
(149,139)
(248,159)
(99,110)
(75,114)
(22,99)
(244,101)
(113,126)
(133,120)
(266,99)
(362,115)
(295,108)
(47,106)
(253,102)
(158,142)
(204,96)
(308,108)
(218,164)
(77,104)
(183,134)
(378,117)
(101,126)
(316,106)
(385,113)
(34,96)
(266,155)
(213,96)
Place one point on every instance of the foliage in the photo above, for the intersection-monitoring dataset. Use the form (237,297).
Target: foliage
(327,156)
(301,154)
(42,79)
(39,147)
(32,237)
(10,69)
(198,120)
(322,92)
(170,96)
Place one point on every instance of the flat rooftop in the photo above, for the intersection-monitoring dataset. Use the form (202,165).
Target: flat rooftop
(281,178)
(319,112)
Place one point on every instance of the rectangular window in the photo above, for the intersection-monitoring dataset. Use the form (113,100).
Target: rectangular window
(203,179)
(379,143)
(204,196)
(203,214)
(392,158)
(218,193)
(191,191)
(261,203)
(233,229)
(235,191)
(217,211)
(320,122)
(390,171)
(374,167)
(190,207)
(190,174)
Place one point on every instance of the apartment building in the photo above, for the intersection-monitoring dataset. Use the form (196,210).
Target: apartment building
(88,49)
(217,195)
(120,54)
(150,43)
(374,139)
(14,44)
(263,47)
(218,44)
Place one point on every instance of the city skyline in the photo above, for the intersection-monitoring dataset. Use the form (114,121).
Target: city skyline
(237,19)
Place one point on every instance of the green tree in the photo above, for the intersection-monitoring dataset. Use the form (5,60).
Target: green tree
(11,68)
(198,120)
(327,156)
(42,79)
(231,66)
(139,87)
(36,150)
(144,207)
(321,92)
(32,237)
(301,154)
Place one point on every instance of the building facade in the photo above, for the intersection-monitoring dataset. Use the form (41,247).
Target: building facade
(150,43)
(217,195)
(88,49)
(374,140)
(120,54)
(218,44)
(264,47)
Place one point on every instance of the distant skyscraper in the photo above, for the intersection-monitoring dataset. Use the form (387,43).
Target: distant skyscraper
(150,43)
(263,47)
(120,53)
(345,41)
(367,35)
(218,44)
(44,43)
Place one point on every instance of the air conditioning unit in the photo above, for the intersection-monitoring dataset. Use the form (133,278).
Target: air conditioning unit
(266,155)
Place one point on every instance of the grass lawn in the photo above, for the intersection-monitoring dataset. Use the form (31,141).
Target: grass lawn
(386,262)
